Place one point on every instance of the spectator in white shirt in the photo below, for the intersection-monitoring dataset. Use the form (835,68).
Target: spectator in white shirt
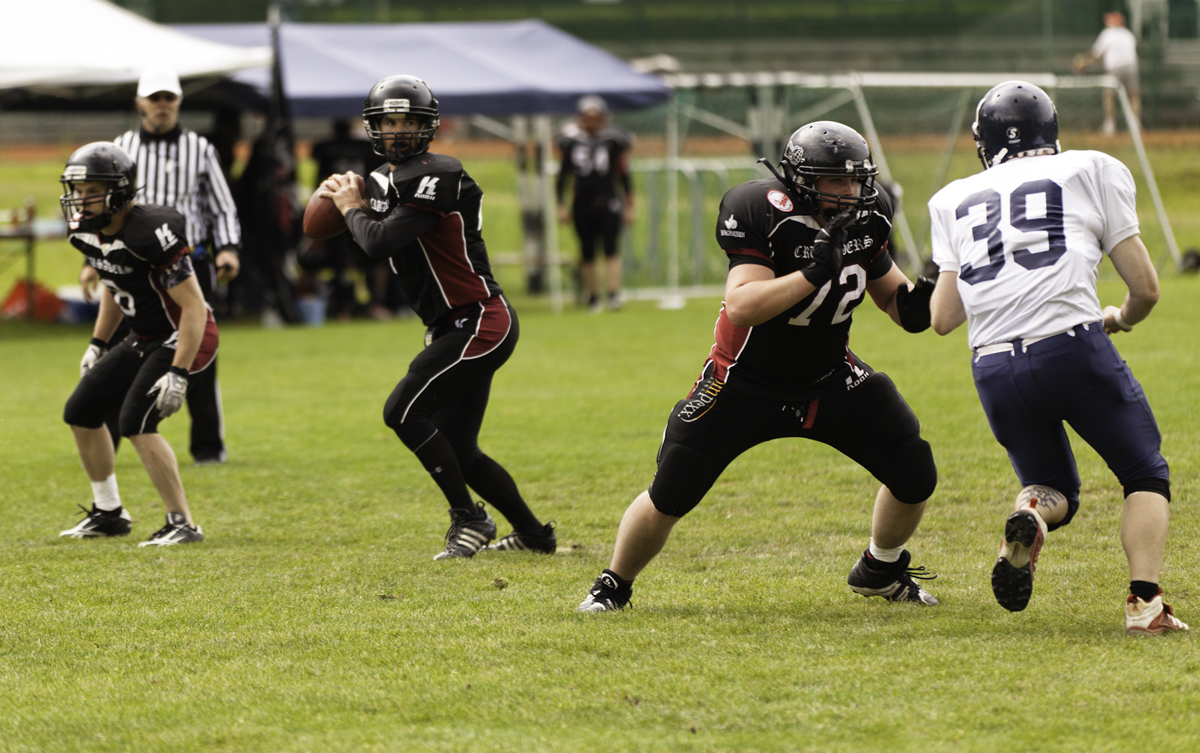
(1116,49)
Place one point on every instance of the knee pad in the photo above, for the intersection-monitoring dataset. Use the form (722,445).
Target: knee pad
(1156,485)
(684,476)
(919,472)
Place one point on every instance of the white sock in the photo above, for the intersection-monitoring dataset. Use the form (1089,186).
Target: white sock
(105,494)
(885,555)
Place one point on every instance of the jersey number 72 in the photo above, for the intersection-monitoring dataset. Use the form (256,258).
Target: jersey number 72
(1051,224)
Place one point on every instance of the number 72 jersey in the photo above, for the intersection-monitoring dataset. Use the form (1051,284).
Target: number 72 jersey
(1026,238)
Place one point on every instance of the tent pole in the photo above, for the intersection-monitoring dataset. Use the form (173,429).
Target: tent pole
(901,221)
(544,126)
(673,299)
(1135,133)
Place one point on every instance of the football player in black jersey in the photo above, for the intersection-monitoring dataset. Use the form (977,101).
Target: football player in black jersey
(804,250)
(144,262)
(423,215)
(595,161)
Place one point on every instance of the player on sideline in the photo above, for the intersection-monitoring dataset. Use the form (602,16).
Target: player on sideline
(1017,246)
(429,230)
(144,262)
(804,249)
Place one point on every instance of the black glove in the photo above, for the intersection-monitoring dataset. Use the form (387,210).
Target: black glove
(913,305)
(827,250)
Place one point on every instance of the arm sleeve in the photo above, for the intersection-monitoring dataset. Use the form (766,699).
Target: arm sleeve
(624,173)
(943,250)
(382,239)
(1118,203)
(218,203)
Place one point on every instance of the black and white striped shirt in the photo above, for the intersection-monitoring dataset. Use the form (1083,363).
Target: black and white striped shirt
(180,169)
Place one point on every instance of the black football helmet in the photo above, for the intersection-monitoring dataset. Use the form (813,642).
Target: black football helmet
(1015,119)
(403,95)
(828,149)
(100,161)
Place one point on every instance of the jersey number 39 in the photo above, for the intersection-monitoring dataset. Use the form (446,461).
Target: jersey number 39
(1051,224)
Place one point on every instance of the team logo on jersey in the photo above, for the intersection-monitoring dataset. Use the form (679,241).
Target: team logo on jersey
(730,228)
(166,237)
(426,187)
(780,200)
(379,205)
(1014,133)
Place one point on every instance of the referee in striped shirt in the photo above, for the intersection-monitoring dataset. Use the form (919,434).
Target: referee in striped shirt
(179,168)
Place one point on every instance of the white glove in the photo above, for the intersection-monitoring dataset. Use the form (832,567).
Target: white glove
(172,389)
(95,351)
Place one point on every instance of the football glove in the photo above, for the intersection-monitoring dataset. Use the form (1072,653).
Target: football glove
(827,250)
(95,351)
(172,389)
(913,305)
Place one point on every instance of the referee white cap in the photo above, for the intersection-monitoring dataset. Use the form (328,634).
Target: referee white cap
(159,80)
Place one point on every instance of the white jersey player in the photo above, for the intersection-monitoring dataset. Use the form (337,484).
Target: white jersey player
(1017,247)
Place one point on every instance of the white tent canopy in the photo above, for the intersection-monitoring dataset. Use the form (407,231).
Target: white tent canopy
(46,47)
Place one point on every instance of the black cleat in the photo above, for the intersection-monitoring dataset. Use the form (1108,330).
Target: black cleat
(99,523)
(470,531)
(607,595)
(893,581)
(543,541)
(1012,577)
(176,531)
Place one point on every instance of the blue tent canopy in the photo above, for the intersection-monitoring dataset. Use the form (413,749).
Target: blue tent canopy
(489,68)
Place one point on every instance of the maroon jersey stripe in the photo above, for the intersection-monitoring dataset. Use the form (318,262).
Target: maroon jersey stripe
(491,329)
(445,247)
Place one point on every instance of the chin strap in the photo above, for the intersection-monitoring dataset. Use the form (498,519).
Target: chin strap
(787,186)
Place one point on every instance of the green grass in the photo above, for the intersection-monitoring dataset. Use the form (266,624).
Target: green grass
(314,618)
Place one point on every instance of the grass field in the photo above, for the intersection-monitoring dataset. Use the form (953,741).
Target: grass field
(314,619)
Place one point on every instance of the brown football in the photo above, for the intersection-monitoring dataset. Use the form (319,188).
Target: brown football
(321,217)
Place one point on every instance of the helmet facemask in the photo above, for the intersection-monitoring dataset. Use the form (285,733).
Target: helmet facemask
(117,195)
(804,179)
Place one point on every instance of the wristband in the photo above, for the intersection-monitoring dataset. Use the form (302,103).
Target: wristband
(179,371)
(99,343)
(1120,320)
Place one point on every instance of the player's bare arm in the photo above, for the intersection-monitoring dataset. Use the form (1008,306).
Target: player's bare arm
(192,318)
(946,307)
(1133,264)
(753,294)
(883,292)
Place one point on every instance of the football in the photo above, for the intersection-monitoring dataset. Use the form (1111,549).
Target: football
(321,217)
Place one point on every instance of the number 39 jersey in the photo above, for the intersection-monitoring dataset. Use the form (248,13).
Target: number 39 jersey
(791,355)
(1026,238)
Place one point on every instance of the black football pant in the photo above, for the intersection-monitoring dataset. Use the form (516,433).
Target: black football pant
(437,409)
(204,391)
(865,419)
